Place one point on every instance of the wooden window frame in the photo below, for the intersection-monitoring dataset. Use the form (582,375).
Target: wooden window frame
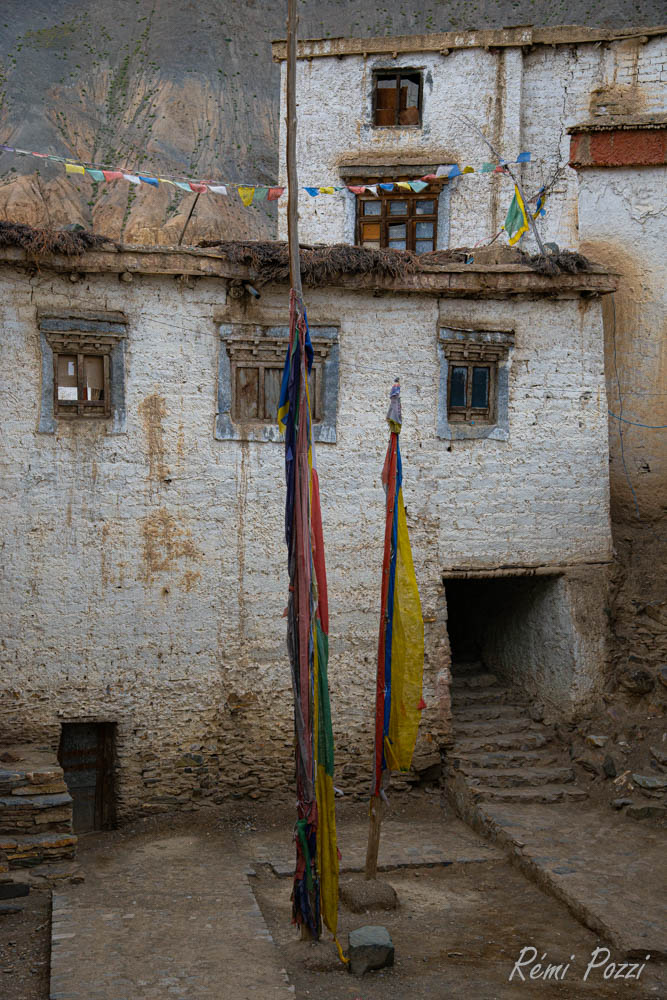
(410,220)
(388,74)
(82,345)
(262,353)
(472,355)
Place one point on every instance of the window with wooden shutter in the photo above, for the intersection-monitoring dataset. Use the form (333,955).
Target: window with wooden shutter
(397,98)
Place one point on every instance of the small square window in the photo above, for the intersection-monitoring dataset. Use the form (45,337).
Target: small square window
(474,384)
(470,391)
(81,384)
(250,372)
(83,368)
(397,98)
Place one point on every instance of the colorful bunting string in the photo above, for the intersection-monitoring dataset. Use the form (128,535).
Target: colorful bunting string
(250,194)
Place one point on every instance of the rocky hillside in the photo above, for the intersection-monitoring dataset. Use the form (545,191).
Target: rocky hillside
(185,88)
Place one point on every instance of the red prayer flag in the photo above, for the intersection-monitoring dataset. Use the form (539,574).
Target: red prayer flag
(199,188)
(356,188)
(112,175)
(274,194)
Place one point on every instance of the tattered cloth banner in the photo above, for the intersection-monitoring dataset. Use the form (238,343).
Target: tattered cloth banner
(400,668)
(253,193)
(315,892)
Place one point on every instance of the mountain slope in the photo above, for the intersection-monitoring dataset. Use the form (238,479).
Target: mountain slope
(184,89)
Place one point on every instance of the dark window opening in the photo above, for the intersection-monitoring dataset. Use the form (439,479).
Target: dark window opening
(86,755)
(470,391)
(399,221)
(397,99)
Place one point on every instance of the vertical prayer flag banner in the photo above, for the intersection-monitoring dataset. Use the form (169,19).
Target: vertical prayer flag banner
(315,893)
(400,668)
(516,220)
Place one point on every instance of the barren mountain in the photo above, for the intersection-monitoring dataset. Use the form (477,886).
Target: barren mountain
(186,89)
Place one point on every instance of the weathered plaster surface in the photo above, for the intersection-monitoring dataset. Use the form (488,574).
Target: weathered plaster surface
(144,574)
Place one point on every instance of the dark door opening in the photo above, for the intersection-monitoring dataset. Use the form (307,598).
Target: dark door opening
(86,757)
(517,627)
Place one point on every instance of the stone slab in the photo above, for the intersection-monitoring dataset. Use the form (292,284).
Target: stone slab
(403,844)
(608,871)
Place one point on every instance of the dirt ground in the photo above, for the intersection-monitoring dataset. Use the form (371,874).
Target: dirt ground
(457,934)
(25,941)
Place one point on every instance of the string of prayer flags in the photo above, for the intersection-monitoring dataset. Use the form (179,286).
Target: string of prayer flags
(249,195)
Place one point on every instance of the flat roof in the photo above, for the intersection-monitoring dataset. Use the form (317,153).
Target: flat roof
(445,42)
(477,279)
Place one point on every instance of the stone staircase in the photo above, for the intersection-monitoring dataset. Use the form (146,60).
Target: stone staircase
(500,753)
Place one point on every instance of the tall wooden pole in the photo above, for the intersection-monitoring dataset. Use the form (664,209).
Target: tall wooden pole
(293,201)
(292,181)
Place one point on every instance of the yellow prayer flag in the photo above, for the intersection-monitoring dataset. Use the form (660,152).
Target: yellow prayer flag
(246,194)
(404,185)
(74,168)
(327,190)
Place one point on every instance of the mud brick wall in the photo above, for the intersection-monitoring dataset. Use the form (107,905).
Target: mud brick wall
(35,808)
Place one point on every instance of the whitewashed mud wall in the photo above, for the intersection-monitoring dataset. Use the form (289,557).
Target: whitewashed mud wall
(144,574)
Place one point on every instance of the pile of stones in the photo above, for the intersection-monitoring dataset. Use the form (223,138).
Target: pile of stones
(35,808)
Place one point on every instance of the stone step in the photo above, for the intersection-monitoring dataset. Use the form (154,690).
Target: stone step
(478,713)
(468,668)
(544,794)
(505,758)
(464,697)
(483,680)
(35,848)
(514,777)
(501,727)
(501,741)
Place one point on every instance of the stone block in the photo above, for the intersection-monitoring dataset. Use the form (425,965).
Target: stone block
(370,948)
(361,895)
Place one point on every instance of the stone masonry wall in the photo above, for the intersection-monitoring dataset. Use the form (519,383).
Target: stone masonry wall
(144,573)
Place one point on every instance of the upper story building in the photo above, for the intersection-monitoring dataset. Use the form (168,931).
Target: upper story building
(374,110)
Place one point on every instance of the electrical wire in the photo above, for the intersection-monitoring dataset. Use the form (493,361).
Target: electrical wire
(636,423)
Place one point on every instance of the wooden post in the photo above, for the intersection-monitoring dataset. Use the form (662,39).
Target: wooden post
(375,821)
(292,180)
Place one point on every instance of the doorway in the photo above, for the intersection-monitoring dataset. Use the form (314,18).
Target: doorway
(86,755)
